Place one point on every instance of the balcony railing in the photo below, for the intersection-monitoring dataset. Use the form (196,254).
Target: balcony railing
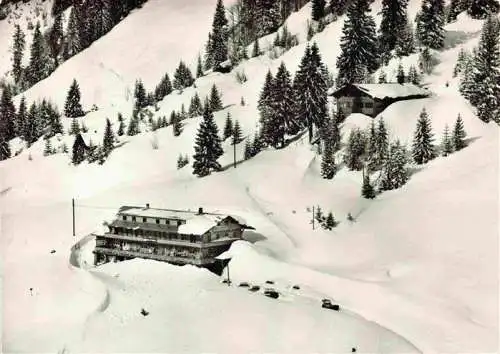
(159,257)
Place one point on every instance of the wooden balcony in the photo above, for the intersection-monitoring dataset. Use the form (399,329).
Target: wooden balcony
(158,257)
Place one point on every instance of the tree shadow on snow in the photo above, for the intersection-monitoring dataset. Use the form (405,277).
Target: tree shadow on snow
(253,237)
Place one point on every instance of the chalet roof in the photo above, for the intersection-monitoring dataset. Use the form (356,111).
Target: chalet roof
(383,91)
(195,223)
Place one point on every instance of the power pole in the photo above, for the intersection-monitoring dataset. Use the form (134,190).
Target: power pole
(313,217)
(228,279)
(234,153)
(73,207)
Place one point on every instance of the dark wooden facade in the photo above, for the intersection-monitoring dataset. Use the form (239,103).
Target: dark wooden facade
(151,235)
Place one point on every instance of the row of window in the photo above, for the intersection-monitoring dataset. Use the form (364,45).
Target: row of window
(153,234)
(158,221)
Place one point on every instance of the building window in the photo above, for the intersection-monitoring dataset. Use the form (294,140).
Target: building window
(368,104)
(124,217)
(144,219)
(157,221)
(133,218)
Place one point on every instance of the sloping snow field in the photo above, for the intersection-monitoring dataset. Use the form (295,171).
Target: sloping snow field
(416,271)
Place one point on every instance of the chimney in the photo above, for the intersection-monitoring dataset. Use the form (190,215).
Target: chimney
(147,205)
(200,211)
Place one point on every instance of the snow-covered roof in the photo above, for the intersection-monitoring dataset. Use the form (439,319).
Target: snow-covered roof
(195,223)
(388,90)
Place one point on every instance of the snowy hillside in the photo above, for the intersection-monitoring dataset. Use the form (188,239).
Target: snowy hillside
(415,272)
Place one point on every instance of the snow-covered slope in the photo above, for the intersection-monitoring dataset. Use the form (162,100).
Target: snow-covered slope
(419,262)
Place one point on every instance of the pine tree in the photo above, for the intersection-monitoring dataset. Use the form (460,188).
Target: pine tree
(330,222)
(163,89)
(19,43)
(456,7)
(228,127)
(256,48)
(72,43)
(359,48)
(207,146)
(486,74)
(181,162)
(459,135)
(52,118)
(382,143)
(195,108)
(75,127)
(405,42)
(310,89)
(215,99)
(446,143)
(33,126)
(183,114)
(430,24)
(7,115)
(208,53)
(264,103)
(219,37)
(133,126)
(72,107)
(48,148)
(121,125)
(237,136)
(199,67)
(367,191)
(248,150)
(59,6)
(371,148)
(481,9)
(328,166)
(21,119)
(467,86)
(182,77)
(318,215)
(395,172)
(356,149)
(413,76)
(318,9)
(267,15)
(394,20)
(108,141)
(140,95)
(56,39)
(40,64)
(401,74)
(79,149)
(423,149)
(175,121)
(339,7)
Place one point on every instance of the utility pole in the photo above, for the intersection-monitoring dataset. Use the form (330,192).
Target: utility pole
(313,217)
(228,279)
(73,207)
(234,153)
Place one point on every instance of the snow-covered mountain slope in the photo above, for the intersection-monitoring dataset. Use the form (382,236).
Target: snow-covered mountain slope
(419,262)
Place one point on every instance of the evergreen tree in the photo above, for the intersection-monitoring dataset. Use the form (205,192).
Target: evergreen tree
(75,127)
(467,86)
(256,48)
(72,107)
(175,121)
(48,148)
(133,126)
(79,148)
(21,119)
(413,76)
(199,67)
(405,42)
(108,141)
(401,74)
(456,7)
(207,146)
(371,148)
(121,125)
(33,127)
(423,148)
(367,191)
(140,95)
(56,39)
(264,103)
(182,77)
(208,53)
(395,172)
(310,88)
(394,21)
(481,9)
(219,37)
(356,149)
(72,43)
(52,118)
(446,143)
(19,43)
(215,99)
(248,150)
(459,135)
(382,77)
(237,136)
(268,16)
(40,63)
(339,7)
(382,142)
(7,115)
(181,161)
(318,215)
(163,89)
(328,166)
(183,114)
(318,9)
(486,74)
(359,47)
(430,24)
(330,222)
(195,108)
(228,127)
(59,6)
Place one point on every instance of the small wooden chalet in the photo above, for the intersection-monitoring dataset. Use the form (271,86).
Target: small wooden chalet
(173,236)
(371,99)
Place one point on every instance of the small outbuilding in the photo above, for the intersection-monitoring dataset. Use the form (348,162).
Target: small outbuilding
(371,99)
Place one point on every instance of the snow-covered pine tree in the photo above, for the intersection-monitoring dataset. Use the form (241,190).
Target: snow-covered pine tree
(218,48)
(207,146)
(182,77)
(121,125)
(282,120)
(367,190)
(72,43)
(318,215)
(140,95)
(462,57)
(248,150)
(430,24)
(108,141)
(267,15)
(199,67)
(401,74)
(133,126)
(371,148)
(163,89)
(228,127)
(73,107)
(382,77)
(328,165)
(485,84)
(359,47)
(176,121)
(48,148)
(21,119)
(195,108)
(413,76)
(79,148)
(423,149)
(356,149)
(33,127)
(481,9)
(7,115)
(40,65)
(459,135)
(255,48)
(446,142)
(74,127)
(237,135)
(59,6)
(394,20)
(310,91)
(264,103)
(395,171)
(56,39)
(208,53)
(318,9)
(215,99)
(53,119)
(183,114)
(19,42)
(339,7)
(456,7)
(405,42)
(382,143)
(330,222)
